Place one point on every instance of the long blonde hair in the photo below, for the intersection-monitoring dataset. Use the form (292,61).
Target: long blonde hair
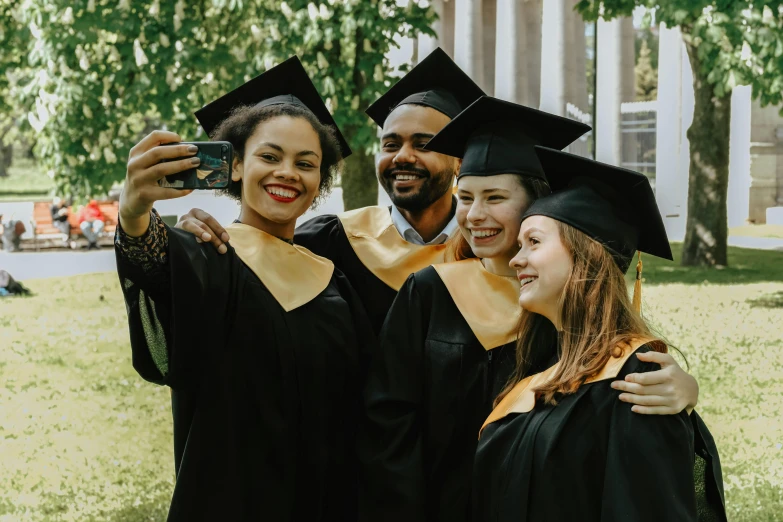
(596,316)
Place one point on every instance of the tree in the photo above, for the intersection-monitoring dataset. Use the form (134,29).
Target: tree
(105,72)
(728,44)
(646,76)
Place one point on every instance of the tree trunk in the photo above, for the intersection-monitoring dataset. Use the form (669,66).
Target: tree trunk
(6,158)
(360,185)
(706,232)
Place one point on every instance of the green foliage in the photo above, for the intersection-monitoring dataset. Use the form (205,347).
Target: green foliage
(646,76)
(99,74)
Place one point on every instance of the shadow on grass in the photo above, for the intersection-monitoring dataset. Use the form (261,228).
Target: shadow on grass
(745,266)
(768,301)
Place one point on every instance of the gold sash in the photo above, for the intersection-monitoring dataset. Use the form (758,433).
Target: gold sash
(522,398)
(292,274)
(488,302)
(381,248)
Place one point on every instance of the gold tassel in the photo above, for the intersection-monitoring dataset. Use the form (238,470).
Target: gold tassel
(637,287)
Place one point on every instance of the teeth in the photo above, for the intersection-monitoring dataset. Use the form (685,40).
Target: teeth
(484,233)
(527,280)
(281,192)
(405,177)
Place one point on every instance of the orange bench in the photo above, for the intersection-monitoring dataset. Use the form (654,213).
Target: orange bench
(44,230)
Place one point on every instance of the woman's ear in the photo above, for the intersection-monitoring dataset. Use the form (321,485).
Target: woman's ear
(236,170)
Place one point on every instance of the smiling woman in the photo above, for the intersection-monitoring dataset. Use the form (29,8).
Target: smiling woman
(284,161)
(265,390)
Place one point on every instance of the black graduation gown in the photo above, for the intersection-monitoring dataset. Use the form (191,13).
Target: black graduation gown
(590,458)
(265,402)
(430,387)
(326,236)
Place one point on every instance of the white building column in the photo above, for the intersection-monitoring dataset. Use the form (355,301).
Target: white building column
(562,69)
(427,43)
(615,85)
(668,133)
(469,41)
(511,56)
(533,11)
(738,200)
(554,49)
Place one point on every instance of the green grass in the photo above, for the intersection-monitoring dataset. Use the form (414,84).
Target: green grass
(25,182)
(745,266)
(82,437)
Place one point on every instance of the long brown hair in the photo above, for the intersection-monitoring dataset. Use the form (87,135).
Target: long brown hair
(596,316)
(458,248)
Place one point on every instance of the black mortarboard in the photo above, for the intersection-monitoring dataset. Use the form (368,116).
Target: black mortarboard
(435,82)
(612,205)
(494,137)
(287,83)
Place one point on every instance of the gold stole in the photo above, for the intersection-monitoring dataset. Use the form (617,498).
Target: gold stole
(522,398)
(488,302)
(292,274)
(381,248)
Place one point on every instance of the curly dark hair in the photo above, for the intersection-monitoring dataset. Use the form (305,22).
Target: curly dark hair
(245,119)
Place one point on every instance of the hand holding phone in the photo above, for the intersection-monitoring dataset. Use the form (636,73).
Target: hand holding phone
(214,171)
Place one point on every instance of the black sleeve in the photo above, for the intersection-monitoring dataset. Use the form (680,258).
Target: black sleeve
(392,482)
(321,236)
(707,474)
(649,464)
(166,306)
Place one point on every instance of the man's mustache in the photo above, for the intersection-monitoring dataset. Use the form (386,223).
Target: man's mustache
(409,169)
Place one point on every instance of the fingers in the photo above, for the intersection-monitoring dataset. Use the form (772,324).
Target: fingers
(202,233)
(664,359)
(153,139)
(153,160)
(638,389)
(216,228)
(654,410)
(159,193)
(644,400)
(649,378)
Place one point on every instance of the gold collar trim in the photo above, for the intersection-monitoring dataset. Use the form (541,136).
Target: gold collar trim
(488,302)
(522,398)
(292,274)
(381,248)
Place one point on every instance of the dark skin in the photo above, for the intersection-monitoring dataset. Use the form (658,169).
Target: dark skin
(405,132)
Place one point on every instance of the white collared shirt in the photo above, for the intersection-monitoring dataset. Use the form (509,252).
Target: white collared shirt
(410,235)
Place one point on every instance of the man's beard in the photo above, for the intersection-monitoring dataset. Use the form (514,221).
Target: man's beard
(432,187)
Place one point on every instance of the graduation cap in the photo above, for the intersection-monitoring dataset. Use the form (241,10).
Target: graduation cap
(494,136)
(435,82)
(612,205)
(286,83)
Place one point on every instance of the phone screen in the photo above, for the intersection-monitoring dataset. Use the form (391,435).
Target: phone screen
(214,171)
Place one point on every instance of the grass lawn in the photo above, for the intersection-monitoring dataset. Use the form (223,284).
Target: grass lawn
(84,438)
(25,182)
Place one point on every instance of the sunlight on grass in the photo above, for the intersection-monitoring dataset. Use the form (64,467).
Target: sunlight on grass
(85,439)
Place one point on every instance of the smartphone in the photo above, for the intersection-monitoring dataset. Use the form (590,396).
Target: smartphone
(214,171)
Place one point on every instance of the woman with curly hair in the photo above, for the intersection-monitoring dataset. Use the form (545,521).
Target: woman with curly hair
(263,348)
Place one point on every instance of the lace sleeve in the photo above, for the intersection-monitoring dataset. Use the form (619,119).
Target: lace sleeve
(147,252)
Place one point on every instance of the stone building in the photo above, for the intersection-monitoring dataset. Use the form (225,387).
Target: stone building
(534,52)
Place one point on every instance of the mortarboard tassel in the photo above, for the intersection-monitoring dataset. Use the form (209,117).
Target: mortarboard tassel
(637,287)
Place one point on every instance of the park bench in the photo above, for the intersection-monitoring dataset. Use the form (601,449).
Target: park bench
(45,233)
